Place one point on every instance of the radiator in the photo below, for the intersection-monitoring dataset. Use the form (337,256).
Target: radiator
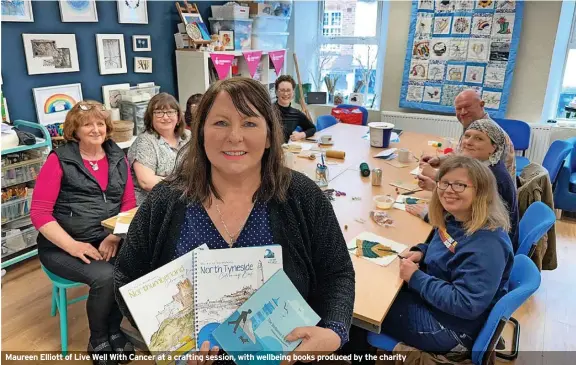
(449,127)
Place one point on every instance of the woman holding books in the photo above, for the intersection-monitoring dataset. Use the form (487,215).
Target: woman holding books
(463,271)
(230,190)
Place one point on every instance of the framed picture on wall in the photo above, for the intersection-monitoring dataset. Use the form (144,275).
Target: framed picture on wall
(143,65)
(111,54)
(132,11)
(78,11)
(53,102)
(17,11)
(50,53)
(141,43)
(111,94)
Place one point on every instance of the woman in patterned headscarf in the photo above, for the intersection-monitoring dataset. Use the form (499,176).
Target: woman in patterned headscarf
(484,140)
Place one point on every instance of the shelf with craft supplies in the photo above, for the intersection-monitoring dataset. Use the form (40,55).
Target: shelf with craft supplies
(198,70)
(20,168)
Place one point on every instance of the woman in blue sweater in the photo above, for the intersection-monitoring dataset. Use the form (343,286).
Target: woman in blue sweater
(454,281)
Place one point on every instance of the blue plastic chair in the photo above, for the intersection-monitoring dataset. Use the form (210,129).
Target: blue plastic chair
(325,121)
(519,133)
(555,158)
(565,190)
(361,108)
(535,222)
(524,281)
(60,302)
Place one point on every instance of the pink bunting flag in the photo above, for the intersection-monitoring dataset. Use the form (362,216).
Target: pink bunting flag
(222,63)
(277,58)
(252,60)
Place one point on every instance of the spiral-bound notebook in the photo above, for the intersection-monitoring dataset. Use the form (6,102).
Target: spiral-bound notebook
(191,295)
(227,278)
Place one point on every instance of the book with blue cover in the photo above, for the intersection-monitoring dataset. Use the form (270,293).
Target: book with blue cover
(257,329)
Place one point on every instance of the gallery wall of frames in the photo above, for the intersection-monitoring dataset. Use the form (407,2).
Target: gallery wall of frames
(52,45)
(459,44)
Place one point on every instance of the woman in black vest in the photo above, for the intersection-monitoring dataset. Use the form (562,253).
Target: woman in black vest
(81,184)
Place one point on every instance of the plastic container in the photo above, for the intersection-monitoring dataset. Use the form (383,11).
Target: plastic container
(17,240)
(269,41)
(380,133)
(384,201)
(21,172)
(230,12)
(139,94)
(280,8)
(16,209)
(242,30)
(269,24)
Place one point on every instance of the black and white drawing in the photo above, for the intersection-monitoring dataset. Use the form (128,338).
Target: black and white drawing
(111,54)
(50,53)
(143,65)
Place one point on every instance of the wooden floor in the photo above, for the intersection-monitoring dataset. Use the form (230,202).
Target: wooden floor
(548,319)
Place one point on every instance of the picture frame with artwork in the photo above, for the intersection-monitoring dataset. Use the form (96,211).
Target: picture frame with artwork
(53,102)
(141,43)
(111,94)
(50,53)
(132,11)
(227,39)
(143,65)
(111,54)
(72,11)
(17,11)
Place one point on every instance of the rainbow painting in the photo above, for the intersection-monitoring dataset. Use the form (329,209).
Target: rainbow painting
(58,103)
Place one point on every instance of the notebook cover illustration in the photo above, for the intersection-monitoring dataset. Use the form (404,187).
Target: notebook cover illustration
(162,304)
(257,329)
(224,279)
(374,248)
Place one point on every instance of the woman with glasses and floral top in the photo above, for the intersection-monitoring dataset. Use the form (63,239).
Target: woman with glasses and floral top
(153,153)
(454,281)
(82,183)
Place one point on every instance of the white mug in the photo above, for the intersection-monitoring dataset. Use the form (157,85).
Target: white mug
(326,139)
(403,155)
(289,159)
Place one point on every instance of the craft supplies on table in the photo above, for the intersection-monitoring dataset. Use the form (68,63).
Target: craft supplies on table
(376,177)
(386,154)
(374,248)
(364,169)
(381,218)
(383,201)
(321,177)
(336,154)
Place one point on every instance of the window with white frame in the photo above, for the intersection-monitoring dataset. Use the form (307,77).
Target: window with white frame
(568,89)
(348,40)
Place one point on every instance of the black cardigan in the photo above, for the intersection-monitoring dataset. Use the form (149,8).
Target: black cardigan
(315,256)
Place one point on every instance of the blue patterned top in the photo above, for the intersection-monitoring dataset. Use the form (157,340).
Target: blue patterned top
(198,229)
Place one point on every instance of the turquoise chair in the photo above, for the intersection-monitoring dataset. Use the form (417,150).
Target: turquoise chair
(60,302)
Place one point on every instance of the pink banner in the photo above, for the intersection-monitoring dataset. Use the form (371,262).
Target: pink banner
(222,63)
(277,58)
(252,59)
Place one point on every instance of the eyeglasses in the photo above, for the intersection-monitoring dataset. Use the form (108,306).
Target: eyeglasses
(85,107)
(162,113)
(457,187)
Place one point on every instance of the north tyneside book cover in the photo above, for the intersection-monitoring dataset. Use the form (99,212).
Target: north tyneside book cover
(256,331)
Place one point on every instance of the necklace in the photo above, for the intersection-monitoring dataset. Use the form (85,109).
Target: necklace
(234,237)
(94,164)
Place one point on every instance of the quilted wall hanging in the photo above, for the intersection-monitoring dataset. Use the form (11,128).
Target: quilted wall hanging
(460,44)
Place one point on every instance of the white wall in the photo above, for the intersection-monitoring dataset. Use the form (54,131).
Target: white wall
(530,78)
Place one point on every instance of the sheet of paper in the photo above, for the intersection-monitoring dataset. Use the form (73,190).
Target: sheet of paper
(386,153)
(123,222)
(396,163)
(406,185)
(416,171)
(399,206)
(382,261)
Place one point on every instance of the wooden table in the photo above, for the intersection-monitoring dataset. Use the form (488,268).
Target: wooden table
(110,223)
(376,286)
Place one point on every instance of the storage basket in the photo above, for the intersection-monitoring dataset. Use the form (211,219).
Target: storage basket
(123,130)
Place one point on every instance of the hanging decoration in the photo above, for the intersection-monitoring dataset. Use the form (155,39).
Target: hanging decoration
(460,44)
(277,58)
(252,60)
(222,63)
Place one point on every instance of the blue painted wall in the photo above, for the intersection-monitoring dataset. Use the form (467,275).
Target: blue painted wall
(162,24)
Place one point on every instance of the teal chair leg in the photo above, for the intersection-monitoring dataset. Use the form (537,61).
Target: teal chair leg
(63,307)
(54,298)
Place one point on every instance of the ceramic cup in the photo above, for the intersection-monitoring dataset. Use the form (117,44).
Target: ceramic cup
(403,155)
(326,139)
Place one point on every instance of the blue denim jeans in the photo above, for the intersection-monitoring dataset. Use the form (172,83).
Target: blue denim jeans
(410,321)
